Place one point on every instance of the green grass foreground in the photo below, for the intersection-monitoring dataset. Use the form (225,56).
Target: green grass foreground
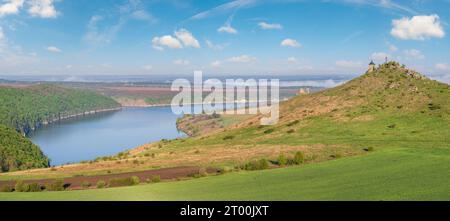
(394,174)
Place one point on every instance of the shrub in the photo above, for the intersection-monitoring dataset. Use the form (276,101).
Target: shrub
(228,137)
(369,149)
(34,187)
(6,189)
(257,165)
(282,160)
(57,185)
(156,179)
(225,169)
(129,181)
(293,123)
(290,131)
(202,172)
(101,184)
(299,158)
(21,186)
(269,131)
(86,184)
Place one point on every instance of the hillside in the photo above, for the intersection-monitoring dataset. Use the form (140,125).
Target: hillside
(391,108)
(25,109)
(28,108)
(19,153)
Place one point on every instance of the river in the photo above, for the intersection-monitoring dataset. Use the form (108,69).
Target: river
(103,134)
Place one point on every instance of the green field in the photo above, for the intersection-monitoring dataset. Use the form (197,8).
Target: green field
(395,174)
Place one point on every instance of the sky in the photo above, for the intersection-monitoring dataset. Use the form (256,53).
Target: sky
(244,37)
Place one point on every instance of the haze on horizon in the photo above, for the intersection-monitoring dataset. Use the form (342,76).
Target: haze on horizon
(240,37)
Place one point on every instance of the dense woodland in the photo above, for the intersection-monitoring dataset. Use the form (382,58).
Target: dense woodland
(25,109)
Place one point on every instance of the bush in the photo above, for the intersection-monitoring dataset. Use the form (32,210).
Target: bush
(6,189)
(156,179)
(101,184)
(86,184)
(225,169)
(299,158)
(293,123)
(21,186)
(129,181)
(269,131)
(257,165)
(290,131)
(228,137)
(282,160)
(202,172)
(34,187)
(57,185)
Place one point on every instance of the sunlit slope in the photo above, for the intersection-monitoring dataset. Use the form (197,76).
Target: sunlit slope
(390,107)
(394,174)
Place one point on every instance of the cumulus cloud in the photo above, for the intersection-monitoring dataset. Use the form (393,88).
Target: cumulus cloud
(216,63)
(42,8)
(380,56)
(348,64)
(181,62)
(166,41)
(187,38)
(267,26)
(182,38)
(419,27)
(414,54)
(242,59)
(53,49)
(227,29)
(11,7)
(290,43)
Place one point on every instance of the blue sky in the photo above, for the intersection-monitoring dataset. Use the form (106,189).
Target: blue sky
(285,37)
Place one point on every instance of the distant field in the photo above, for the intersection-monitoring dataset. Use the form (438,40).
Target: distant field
(395,174)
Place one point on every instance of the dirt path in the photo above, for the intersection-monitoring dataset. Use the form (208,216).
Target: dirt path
(166,174)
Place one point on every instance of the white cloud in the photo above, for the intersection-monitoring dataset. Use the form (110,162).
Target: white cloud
(53,49)
(11,7)
(181,62)
(216,63)
(166,41)
(42,8)
(418,28)
(267,26)
(380,56)
(229,6)
(242,59)
(227,29)
(213,46)
(182,38)
(348,64)
(290,43)
(187,38)
(414,54)
(442,67)
(292,60)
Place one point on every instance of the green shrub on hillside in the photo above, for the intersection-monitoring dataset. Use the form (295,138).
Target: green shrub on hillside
(282,160)
(101,184)
(257,165)
(128,181)
(299,158)
(57,185)
(6,189)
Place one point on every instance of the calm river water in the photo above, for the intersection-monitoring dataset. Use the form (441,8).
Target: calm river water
(105,134)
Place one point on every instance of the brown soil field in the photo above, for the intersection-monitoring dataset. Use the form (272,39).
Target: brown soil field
(166,174)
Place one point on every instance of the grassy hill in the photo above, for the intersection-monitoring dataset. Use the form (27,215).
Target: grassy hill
(25,109)
(382,136)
